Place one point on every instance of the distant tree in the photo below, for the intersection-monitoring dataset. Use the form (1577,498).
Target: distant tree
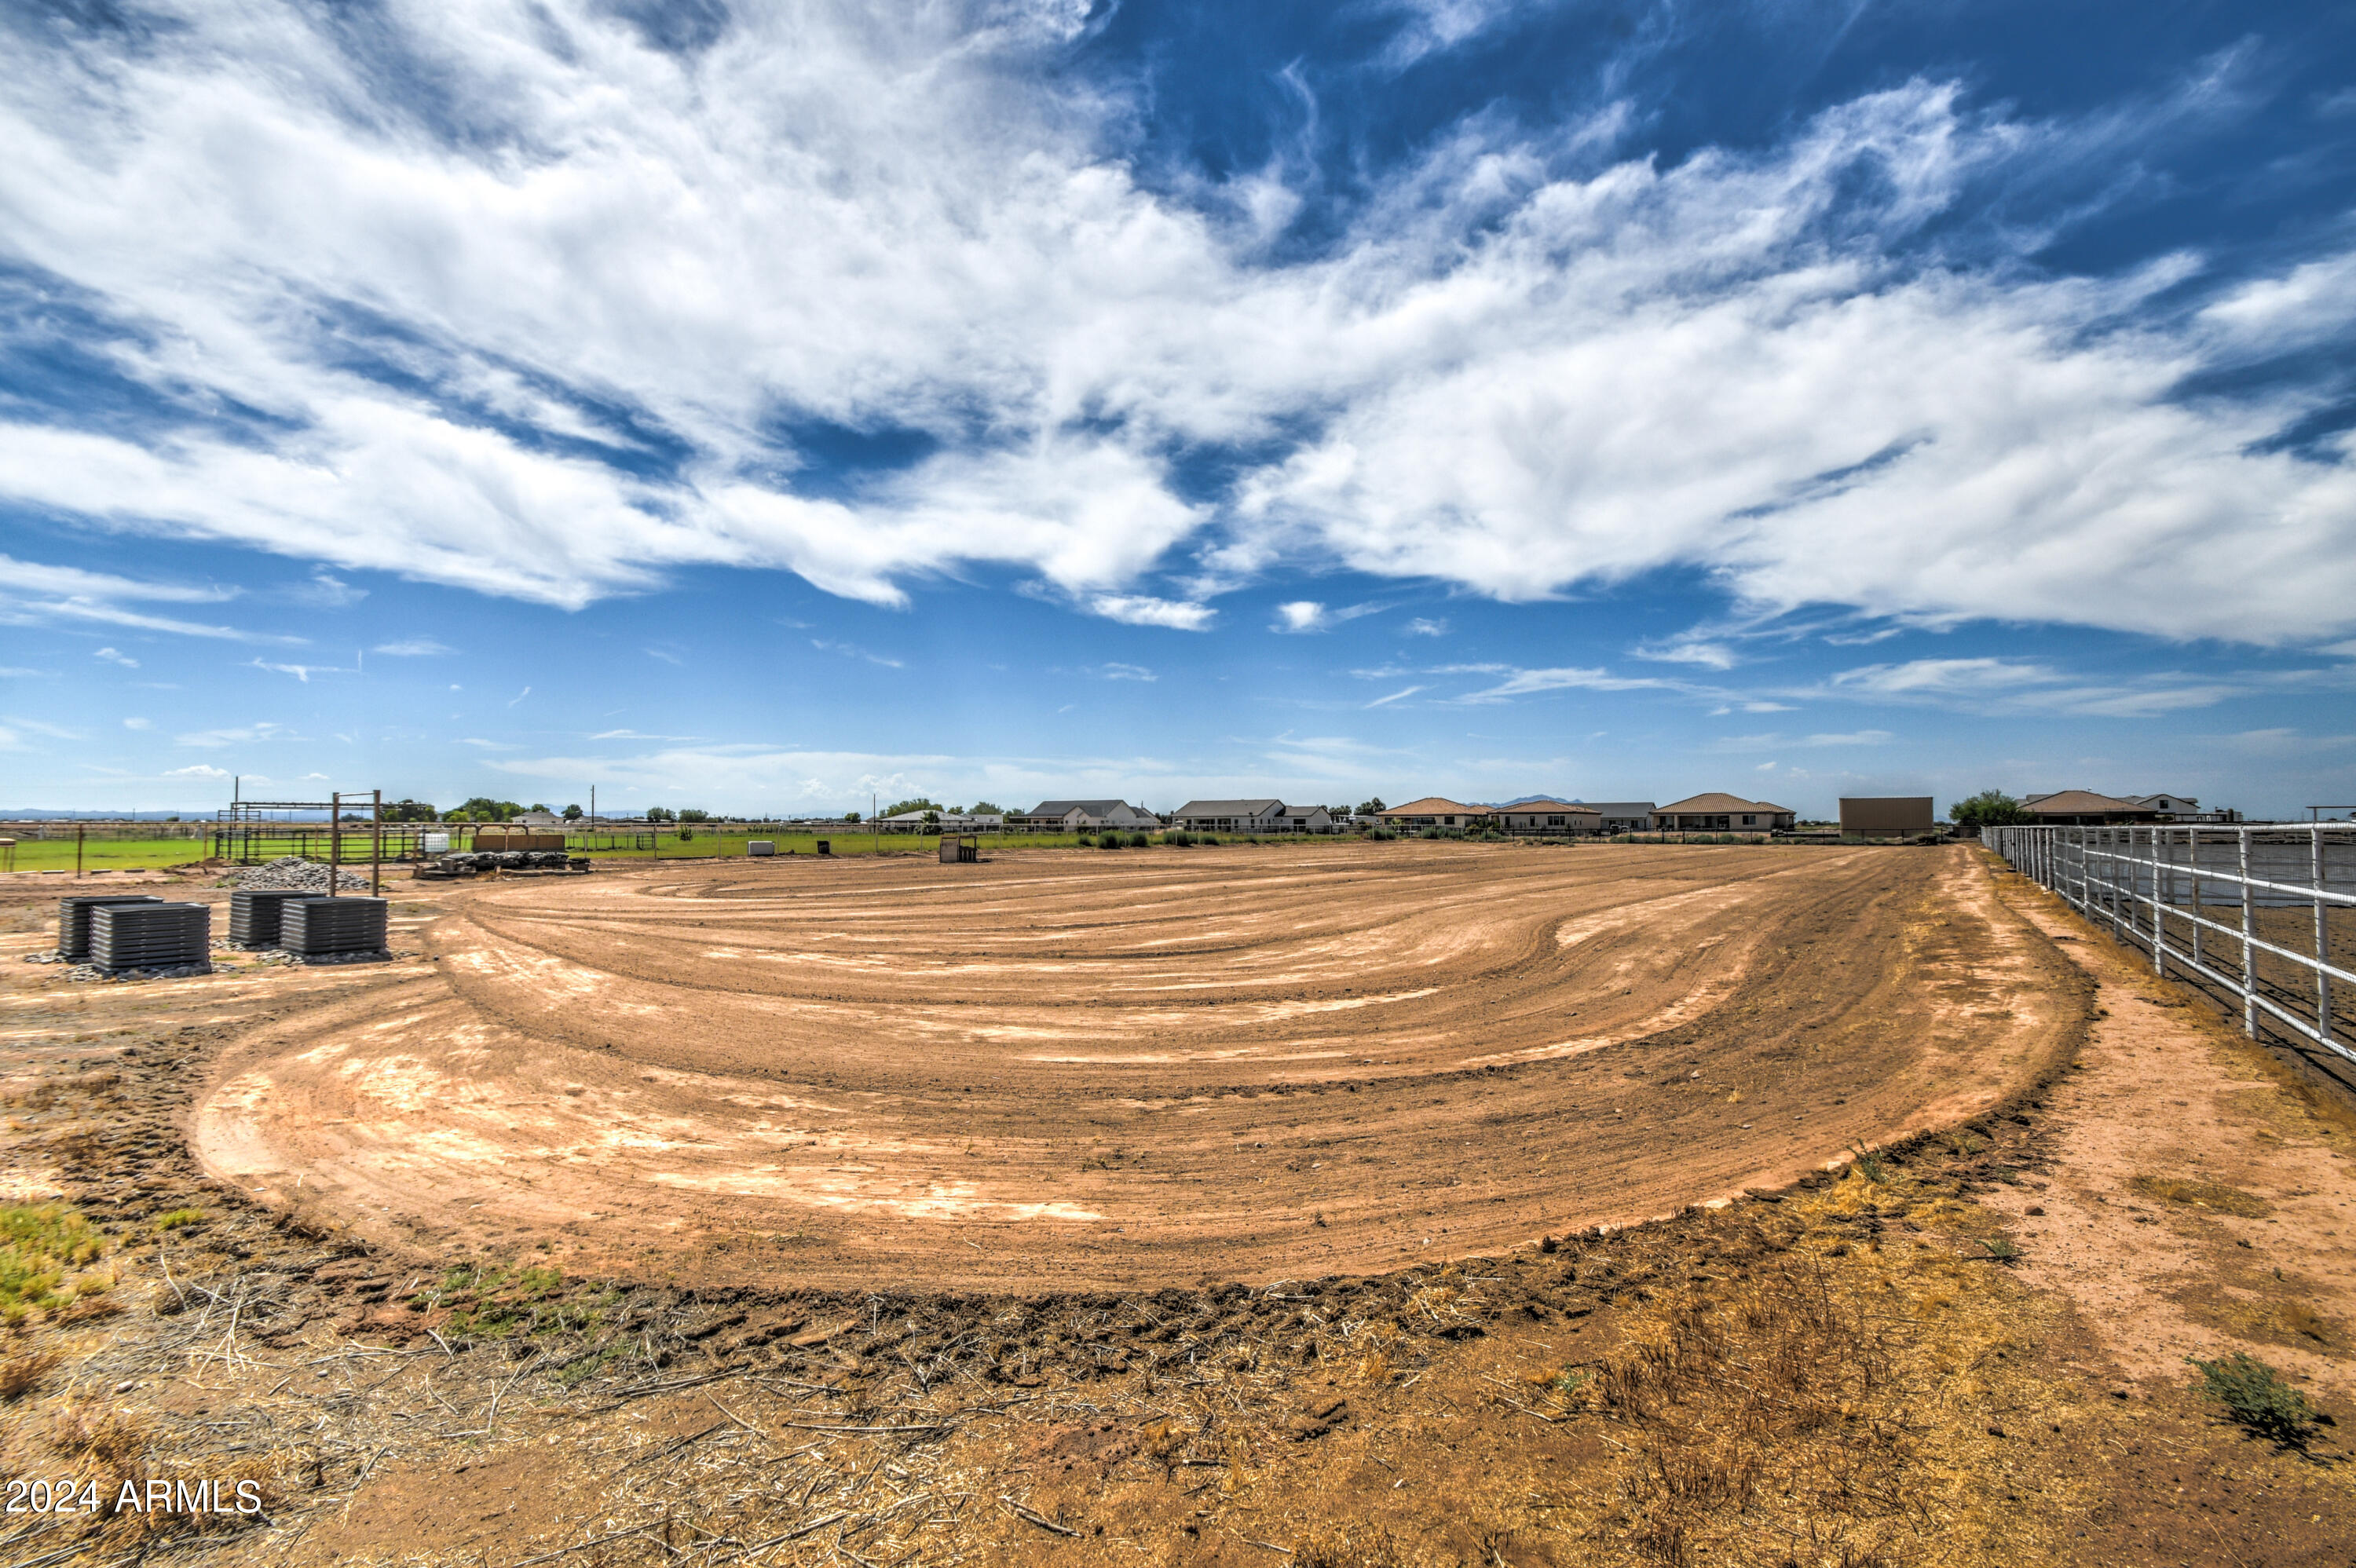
(659,813)
(987,808)
(1989,808)
(572,814)
(851,817)
(539,805)
(483,809)
(897,807)
(691,815)
(457,814)
(1368,808)
(408,810)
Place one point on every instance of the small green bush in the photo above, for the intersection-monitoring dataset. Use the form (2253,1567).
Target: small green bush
(1211,838)
(1140,841)
(1108,840)
(1178,836)
(1382,835)
(2254,1395)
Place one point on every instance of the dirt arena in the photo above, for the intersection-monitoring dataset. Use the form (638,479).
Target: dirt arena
(1055,1071)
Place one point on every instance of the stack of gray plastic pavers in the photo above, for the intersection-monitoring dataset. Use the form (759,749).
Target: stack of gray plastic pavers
(155,935)
(73,919)
(324,928)
(254,915)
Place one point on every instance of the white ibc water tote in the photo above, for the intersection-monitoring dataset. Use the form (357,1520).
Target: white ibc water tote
(437,842)
(760,846)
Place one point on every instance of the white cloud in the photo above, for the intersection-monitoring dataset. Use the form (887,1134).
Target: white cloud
(1854,738)
(139,724)
(1399,696)
(1126,672)
(1528,682)
(234,736)
(1526,372)
(2003,685)
(1709,655)
(1302,615)
(1141,610)
(197,771)
(412,647)
(1420,627)
(116,655)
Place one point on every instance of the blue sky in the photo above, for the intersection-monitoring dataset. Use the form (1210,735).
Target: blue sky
(1027,399)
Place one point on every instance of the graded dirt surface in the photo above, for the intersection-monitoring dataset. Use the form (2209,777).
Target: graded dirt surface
(1072,1071)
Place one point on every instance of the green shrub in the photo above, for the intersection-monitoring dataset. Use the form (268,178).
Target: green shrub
(2254,1395)
(1140,841)
(1211,838)
(1108,840)
(1179,837)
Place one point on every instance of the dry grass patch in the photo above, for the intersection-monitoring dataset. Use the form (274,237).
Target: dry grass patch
(1846,1402)
(2196,1194)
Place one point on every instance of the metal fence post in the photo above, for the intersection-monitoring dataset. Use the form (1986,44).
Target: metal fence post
(2249,954)
(2192,850)
(2322,940)
(2158,907)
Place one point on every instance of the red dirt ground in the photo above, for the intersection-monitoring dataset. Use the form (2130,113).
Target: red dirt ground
(1059,1071)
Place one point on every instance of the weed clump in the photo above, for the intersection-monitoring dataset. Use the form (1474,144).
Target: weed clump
(38,1244)
(2255,1396)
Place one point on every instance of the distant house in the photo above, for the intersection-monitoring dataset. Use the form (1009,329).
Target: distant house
(945,822)
(1625,815)
(2084,809)
(1251,817)
(540,821)
(2178,808)
(1088,817)
(1722,814)
(1433,811)
(1549,817)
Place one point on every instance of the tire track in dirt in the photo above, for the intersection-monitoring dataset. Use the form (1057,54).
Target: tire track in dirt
(1060,1071)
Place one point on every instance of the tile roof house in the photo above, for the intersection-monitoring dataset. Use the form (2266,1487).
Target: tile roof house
(1251,817)
(1088,817)
(2083,808)
(1549,817)
(1434,811)
(1718,812)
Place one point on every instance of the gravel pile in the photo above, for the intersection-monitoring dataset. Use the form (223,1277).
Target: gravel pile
(292,873)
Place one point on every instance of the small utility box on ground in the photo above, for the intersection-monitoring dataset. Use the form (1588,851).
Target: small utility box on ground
(826,845)
(758,847)
(960,848)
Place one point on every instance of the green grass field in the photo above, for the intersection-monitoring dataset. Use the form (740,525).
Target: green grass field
(105,854)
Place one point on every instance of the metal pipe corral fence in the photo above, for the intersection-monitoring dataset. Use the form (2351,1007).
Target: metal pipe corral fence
(2261,917)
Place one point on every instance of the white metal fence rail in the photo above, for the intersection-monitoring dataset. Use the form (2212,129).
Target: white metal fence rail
(2264,915)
